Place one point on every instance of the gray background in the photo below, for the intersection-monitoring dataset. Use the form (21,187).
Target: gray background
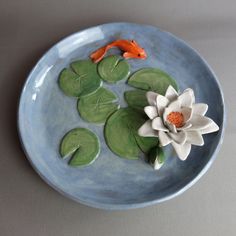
(27,205)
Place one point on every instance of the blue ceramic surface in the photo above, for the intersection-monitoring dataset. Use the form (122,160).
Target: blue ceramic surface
(46,114)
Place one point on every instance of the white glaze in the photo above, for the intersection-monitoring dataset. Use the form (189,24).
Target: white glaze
(195,123)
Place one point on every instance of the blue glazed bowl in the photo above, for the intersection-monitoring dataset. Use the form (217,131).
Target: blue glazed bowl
(111,182)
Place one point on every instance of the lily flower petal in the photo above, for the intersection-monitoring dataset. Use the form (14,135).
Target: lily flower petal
(187,113)
(161,102)
(185,126)
(171,127)
(146,130)
(195,138)
(171,94)
(199,122)
(157,124)
(174,106)
(151,111)
(163,138)
(182,151)
(151,98)
(166,112)
(200,108)
(213,127)
(187,98)
(179,137)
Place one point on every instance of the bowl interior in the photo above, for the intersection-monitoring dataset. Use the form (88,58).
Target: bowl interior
(46,114)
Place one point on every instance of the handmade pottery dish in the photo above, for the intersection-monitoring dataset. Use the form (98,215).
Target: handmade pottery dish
(110,182)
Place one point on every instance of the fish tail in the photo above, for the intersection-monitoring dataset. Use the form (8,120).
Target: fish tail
(99,54)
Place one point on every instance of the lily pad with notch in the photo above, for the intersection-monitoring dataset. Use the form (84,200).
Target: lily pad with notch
(82,145)
(80,80)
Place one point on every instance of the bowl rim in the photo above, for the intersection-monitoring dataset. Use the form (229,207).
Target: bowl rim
(109,206)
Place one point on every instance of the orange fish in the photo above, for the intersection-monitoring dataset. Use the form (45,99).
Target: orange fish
(130,47)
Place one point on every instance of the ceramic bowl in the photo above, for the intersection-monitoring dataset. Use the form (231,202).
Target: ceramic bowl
(46,114)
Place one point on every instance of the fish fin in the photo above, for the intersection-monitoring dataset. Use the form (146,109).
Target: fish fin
(98,54)
(128,55)
(135,43)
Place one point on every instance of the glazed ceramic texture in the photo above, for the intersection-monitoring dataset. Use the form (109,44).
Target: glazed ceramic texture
(111,182)
(176,119)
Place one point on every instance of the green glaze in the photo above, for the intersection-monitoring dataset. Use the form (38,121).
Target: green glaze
(113,69)
(122,137)
(79,80)
(136,99)
(146,143)
(82,144)
(97,106)
(156,153)
(82,67)
(152,79)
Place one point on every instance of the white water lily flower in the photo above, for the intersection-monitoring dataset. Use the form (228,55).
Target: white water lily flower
(177,119)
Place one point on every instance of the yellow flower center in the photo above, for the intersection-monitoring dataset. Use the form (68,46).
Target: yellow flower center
(176,118)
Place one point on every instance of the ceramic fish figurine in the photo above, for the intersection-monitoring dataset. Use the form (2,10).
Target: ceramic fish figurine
(130,47)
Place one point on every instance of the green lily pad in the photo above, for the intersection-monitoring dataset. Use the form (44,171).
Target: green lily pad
(122,137)
(97,106)
(81,79)
(82,144)
(113,69)
(136,99)
(152,79)
(82,67)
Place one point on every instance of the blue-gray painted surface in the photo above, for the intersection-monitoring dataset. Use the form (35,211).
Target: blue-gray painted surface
(46,114)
